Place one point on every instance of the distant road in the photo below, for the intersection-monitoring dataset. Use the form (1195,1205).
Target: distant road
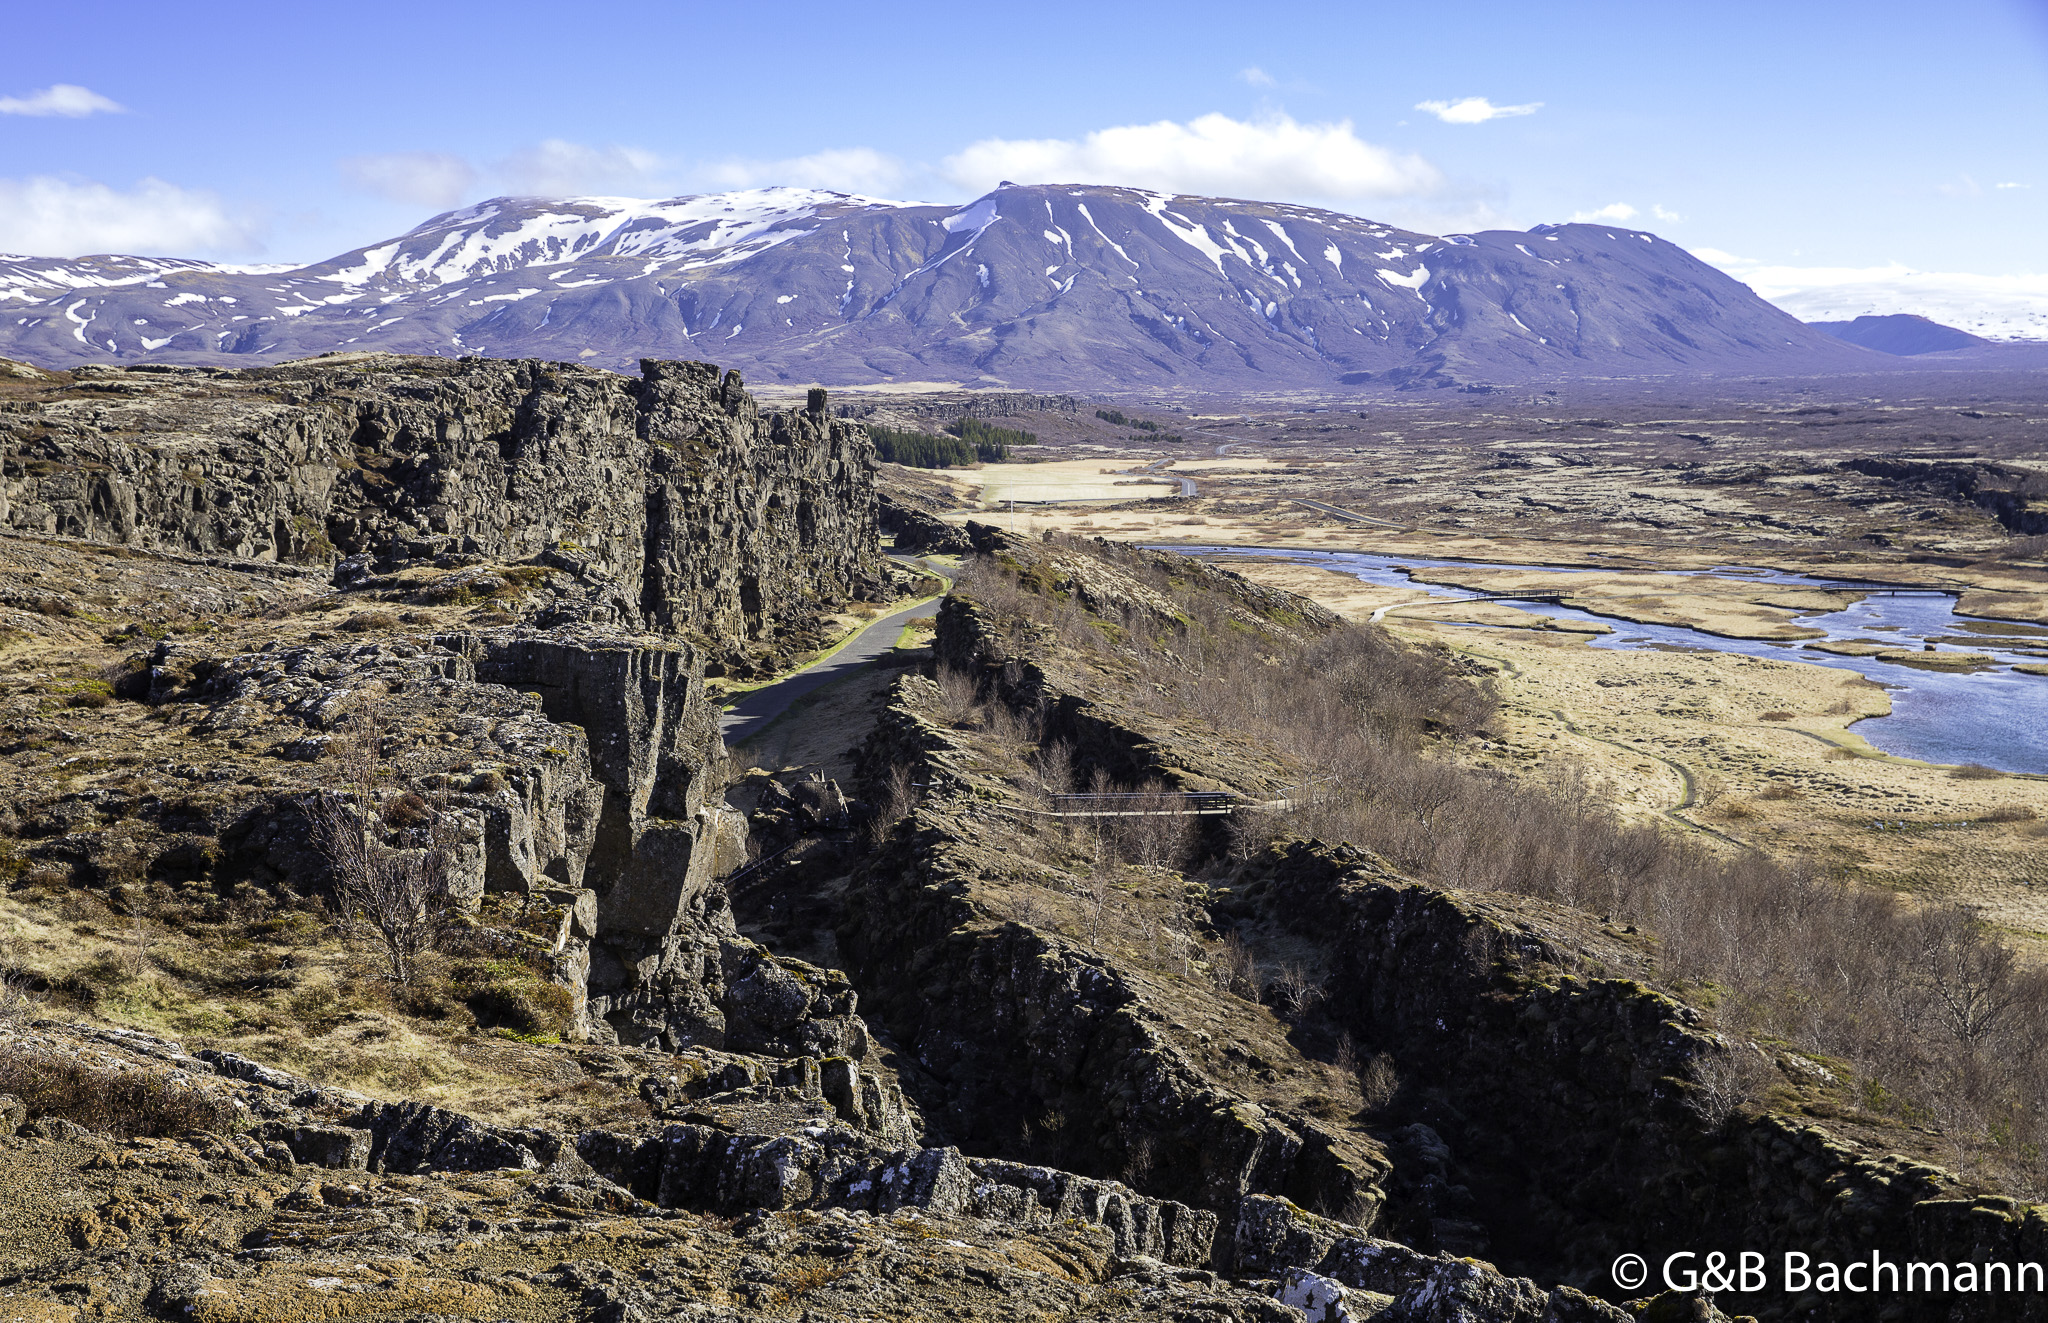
(1152,470)
(746,718)
(1342,513)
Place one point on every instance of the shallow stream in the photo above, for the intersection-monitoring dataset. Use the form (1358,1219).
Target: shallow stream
(1997,717)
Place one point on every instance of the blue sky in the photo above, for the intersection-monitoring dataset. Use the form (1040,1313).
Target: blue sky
(1794,135)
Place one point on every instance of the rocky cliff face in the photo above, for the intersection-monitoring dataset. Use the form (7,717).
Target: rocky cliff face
(703,516)
(622,538)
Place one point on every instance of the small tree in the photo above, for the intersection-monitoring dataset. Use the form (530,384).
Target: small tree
(400,894)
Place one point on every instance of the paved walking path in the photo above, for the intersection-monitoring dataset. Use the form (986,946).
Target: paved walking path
(746,718)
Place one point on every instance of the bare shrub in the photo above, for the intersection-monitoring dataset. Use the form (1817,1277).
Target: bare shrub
(1378,1082)
(898,798)
(18,1000)
(398,892)
(139,936)
(1347,1059)
(1140,1158)
(958,696)
(1098,897)
(1976,772)
(1781,790)
(1296,990)
(2011,813)
(1156,831)
(1777,716)
(1054,763)
(1026,908)
(1725,1081)
(1233,970)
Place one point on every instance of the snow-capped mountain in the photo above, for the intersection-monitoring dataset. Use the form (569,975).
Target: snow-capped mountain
(1047,287)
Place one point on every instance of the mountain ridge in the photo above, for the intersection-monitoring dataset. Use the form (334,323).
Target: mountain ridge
(1039,287)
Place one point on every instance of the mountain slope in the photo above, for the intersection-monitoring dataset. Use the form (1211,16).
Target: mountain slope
(1047,287)
(1902,333)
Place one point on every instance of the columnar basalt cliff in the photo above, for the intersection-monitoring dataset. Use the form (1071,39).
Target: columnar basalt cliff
(704,516)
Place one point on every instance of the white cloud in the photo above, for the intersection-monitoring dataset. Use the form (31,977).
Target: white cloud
(846,169)
(1474,110)
(1618,212)
(2010,184)
(1274,157)
(66,99)
(433,179)
(1257,77)
(556,168)
(2007,307)
(1664,215)
(51,217)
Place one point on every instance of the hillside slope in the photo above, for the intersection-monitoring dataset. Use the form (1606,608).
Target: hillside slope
(1046,287)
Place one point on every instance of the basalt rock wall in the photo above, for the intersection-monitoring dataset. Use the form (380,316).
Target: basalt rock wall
(1576,1107)
(1015,1024)
(707,516)
(2017,497)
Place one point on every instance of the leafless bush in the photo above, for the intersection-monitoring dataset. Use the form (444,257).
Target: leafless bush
(1026,908)
(2011,813)
(898,798)
(1155,831)
(1296,989)
(958,696)
(1054,763)
(17,995)
(1098,899)
(1233,970)
(1139,1159)
(1726,1081)
(400,894)
(139,937)
(1976,772)
(1378,1083)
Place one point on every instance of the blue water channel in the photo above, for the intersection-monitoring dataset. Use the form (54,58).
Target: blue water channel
(1997,717)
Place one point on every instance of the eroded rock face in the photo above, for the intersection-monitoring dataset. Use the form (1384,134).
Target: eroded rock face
(646,530)
(706,516)
(1014,1023)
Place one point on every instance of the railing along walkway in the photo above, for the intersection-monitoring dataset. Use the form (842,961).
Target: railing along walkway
(1157,804)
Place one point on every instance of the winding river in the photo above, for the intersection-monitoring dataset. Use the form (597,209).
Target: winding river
(1996,716)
